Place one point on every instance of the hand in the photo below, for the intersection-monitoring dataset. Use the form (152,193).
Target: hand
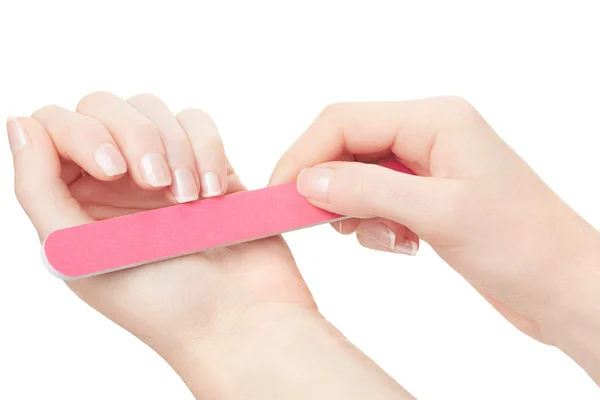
(234,322)
(114,157)
(480,207)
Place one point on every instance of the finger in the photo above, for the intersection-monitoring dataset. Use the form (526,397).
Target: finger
(42,194)
(208,150)
(136,136)
(234,183)
(423,204)
(87,190)
(346,226)
(84,141)
(180,155)
(99,213)
(384,235)
(408,129)
(70,172)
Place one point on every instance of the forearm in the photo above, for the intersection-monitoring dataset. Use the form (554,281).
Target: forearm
(300,356)
(575,324)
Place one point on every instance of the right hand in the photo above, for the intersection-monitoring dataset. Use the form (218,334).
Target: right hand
(479,205)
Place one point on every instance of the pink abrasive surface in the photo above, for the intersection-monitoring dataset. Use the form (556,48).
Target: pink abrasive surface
(149,236)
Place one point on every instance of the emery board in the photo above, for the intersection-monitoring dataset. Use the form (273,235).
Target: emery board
(150,236)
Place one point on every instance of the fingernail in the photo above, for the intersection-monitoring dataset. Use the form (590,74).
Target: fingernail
(110,160)
(407,247)
(211,185)
(17,137)
(387,238)
(184,186)
(339,227)
(155,169)
(313,183)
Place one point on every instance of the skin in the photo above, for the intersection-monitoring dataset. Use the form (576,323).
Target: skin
(473,199)
(209,315)
(213,315)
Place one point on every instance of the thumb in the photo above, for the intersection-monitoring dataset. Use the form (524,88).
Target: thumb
(38,185)
(423,204)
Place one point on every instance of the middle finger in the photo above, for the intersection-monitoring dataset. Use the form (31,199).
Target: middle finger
(137,137)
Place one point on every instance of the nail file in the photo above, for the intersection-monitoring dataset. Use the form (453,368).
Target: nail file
(150,236)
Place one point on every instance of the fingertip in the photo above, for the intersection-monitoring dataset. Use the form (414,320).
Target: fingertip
(28,134)
(155,172)
(346,226)
(385,235)
(313,183)
(212,185)
(110,161)
(282,172)
(184,188)
(17,136)
(274,179)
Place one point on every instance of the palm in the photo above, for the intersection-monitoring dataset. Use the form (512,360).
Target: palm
(189,290)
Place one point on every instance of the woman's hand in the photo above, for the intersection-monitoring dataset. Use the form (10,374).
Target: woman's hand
(113,157)
(478,204)
(234,322)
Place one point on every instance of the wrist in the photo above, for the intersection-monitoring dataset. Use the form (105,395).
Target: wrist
(279,351)
(573,324)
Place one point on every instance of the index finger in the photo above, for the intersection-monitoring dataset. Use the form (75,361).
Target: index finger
(408,129)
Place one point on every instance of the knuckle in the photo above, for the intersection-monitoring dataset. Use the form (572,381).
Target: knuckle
(45,111)
(195,113)
(334,114)
(459,109)
(92,99)
(350,188)
(460,103)
(85,125)
(178,141)
(23,192)
(331,110)
(213,142)
(144,98)
(456,205)
(88,125)
(142,131)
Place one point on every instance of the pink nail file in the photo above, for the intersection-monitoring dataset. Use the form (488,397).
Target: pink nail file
(149,236)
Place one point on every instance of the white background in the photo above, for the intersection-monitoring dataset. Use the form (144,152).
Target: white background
(264,70)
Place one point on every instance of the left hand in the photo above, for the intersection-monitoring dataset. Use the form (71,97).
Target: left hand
(113,157)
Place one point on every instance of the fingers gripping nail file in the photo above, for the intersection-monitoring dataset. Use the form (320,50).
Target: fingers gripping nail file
(150,236)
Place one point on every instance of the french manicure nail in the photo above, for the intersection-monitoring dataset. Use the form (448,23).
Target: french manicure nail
(184,186)
(110,160)
(386,237)
(313,183)
(155,170)
(407,247)
(211,185)
(17,137)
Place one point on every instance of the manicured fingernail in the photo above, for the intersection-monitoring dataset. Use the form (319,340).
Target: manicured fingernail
(211,185)
(155,169)
(110,160)
(184,186)
(386,237)
(407,247)
(17,137)
(314,183)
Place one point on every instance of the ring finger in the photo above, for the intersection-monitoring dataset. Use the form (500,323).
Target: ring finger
(180,155)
